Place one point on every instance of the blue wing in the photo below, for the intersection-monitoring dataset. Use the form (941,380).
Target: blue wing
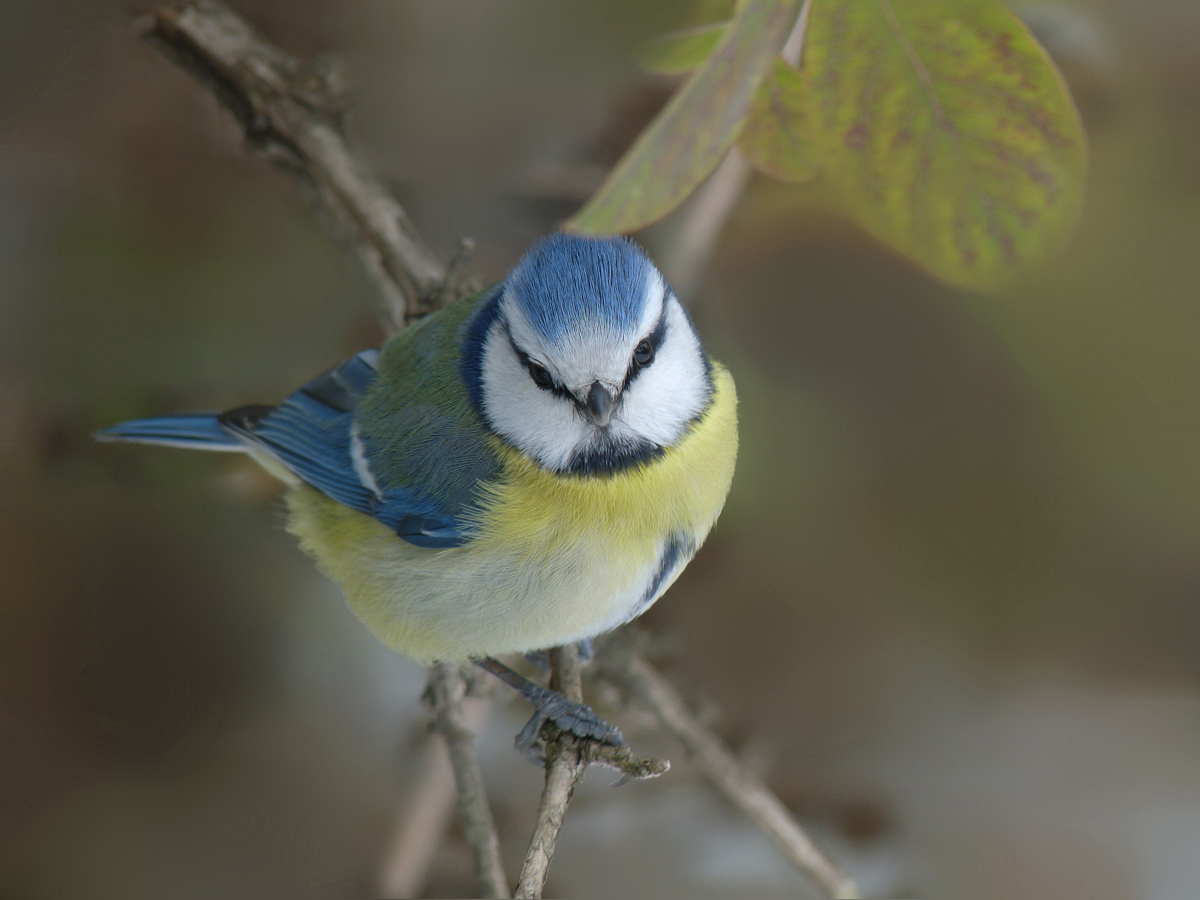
(390,433)
(313,434)
(194,431)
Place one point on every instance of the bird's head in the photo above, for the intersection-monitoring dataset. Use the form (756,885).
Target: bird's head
(589,362)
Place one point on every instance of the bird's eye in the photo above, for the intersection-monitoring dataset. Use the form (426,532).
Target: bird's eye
(540,376)
(643,353)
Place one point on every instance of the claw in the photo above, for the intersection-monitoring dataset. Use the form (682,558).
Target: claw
(568,716)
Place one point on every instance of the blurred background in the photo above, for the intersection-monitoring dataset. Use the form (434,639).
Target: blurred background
(951,613)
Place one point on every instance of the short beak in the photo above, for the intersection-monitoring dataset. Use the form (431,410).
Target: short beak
(599,406)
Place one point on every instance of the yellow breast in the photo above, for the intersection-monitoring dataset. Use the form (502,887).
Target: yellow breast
(554,558)
(529,508)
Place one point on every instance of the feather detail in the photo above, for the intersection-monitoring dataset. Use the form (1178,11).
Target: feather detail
(194,431)
(552,558)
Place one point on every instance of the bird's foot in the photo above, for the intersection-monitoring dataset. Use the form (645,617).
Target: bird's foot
(552,711)
(565,716)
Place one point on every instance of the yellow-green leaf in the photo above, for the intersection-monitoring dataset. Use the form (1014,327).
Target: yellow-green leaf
(777,136)
(683,50)
(688,138)
(946,132)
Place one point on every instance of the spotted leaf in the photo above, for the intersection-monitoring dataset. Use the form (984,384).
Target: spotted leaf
(946,132)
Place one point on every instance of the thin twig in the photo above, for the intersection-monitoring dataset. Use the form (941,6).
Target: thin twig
(793,47)
(457,283)
(567,758)
(703,222)
(426,815)
(427,810)
(290,112)
(643,682)
(446,689)
(565,765)
(707,212)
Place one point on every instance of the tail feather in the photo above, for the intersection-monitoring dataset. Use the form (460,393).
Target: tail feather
(195,431)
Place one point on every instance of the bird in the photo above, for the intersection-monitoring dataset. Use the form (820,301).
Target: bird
(527,467)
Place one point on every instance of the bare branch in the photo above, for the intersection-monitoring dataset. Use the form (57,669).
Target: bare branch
(564,769)
(426,814)
(565,766)
(706,214)
(793,48)
(567,758)
(644,683)
(290,112)
(702,224)
(446,689)
(631,766)
(427,810)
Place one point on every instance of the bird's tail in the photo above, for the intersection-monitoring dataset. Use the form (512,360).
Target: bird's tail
(196,431)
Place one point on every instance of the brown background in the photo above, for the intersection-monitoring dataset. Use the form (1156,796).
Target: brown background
(952,610)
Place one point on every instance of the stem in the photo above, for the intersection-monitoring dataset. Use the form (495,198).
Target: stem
(565,765)
(446,690)
(708,211)
(290,112)
(643,682)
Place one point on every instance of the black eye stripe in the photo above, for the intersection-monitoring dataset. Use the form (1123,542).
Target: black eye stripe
(655,338)
(532,367)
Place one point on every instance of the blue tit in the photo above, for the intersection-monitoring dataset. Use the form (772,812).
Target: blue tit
(529,467)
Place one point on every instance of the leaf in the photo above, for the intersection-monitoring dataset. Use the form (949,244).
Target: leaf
(688,138)
(683,50)
(777,136)
(946,131)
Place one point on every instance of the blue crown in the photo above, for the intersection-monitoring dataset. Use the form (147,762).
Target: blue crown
(564,279)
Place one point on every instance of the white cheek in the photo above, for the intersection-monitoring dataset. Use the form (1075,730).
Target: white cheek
(665,397)
(658,405)
(539,423)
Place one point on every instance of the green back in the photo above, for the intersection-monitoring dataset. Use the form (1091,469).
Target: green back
(421,432)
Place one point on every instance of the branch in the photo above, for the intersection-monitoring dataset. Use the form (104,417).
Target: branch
(430,807)
(426,813)
(565,765)
(290,112)
(567,758)
(445,691)
(640,680)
